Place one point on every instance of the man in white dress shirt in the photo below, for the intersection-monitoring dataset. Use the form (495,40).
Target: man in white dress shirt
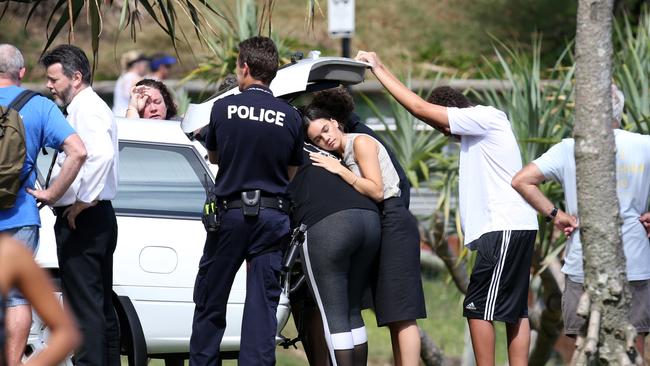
(86,228)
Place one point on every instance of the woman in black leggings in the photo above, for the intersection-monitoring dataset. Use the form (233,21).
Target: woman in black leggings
(342,240)
(367,167)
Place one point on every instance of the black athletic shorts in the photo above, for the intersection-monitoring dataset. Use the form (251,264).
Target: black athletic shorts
(498,286)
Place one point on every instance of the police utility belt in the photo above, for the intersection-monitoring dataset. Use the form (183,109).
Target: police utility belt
(250,202)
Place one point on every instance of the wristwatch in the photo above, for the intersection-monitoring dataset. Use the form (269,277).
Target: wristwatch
(552,215)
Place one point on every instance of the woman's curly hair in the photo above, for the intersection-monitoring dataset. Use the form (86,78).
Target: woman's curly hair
(166,95)
(335,103)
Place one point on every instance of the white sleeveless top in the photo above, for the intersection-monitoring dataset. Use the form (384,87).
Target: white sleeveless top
(389,176)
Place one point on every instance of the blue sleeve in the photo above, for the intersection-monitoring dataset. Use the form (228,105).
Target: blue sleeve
(55,127)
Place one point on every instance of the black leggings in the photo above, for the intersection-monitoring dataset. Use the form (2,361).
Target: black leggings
(338,256)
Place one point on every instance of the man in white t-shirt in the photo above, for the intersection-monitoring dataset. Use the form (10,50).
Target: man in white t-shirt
(496,220)
(633,190)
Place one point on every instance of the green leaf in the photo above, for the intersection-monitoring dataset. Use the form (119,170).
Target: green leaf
(77,5)
(95,29)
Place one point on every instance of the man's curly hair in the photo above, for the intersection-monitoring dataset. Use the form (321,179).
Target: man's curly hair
(449,97)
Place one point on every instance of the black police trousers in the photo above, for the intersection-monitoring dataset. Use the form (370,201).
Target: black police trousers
(86,267)
(239,238)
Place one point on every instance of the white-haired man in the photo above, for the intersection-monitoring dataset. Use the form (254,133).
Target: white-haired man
(633,190)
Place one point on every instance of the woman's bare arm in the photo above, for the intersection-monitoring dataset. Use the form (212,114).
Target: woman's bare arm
(366,152)
(370,183)
(34,283)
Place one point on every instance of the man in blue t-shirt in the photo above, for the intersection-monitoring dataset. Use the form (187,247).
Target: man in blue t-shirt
(44,126)
(257,141)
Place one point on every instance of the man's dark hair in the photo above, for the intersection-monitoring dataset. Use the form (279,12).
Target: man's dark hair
(166,95)
(71,58)
(449,97)
(261,56)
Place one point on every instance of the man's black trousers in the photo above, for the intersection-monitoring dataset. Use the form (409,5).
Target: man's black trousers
(86,267)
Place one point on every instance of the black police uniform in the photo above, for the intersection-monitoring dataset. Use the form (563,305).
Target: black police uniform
(256,137)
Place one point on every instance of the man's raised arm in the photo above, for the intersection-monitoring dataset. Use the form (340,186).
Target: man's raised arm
(431,114)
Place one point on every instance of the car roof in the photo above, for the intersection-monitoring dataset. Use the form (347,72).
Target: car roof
(291,79)
(150,130)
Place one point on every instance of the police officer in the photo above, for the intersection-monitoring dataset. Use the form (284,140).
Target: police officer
(257,141)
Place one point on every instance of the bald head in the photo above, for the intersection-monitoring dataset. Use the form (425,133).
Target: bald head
(11,62)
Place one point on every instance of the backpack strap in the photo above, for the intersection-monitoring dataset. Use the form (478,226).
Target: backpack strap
(19,102)
(49,172)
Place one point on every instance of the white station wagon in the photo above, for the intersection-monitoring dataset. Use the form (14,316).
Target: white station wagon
(160,241)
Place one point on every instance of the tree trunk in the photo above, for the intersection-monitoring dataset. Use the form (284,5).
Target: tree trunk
(430,354)
(436,239)
(610,336)
(547,321)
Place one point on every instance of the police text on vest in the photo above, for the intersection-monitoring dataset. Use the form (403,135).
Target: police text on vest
(264,115)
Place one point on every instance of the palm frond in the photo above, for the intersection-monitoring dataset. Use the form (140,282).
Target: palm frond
(165,13)
(632,70)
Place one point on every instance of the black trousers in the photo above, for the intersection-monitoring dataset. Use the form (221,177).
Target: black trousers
(239,238)
(86,267)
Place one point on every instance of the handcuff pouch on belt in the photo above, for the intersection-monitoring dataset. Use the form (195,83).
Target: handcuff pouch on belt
(251,202)
(210,215)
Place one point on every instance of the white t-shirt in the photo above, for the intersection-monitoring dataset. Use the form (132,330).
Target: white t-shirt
(122,93)
(633,191)
(489,158)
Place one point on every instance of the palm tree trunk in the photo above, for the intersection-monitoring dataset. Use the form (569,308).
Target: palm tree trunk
(607,298)
(440,246)
(548,323)
(430,354)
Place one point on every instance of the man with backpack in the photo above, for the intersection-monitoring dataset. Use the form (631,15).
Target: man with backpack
(32,122)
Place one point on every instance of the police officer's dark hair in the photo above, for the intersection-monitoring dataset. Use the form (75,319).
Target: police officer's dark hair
(72,59)
(261,56)
(449,97)
(164,92)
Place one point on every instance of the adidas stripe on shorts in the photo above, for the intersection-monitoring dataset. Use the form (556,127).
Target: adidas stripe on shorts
(498,286)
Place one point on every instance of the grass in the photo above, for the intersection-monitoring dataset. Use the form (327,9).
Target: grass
(444,324)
